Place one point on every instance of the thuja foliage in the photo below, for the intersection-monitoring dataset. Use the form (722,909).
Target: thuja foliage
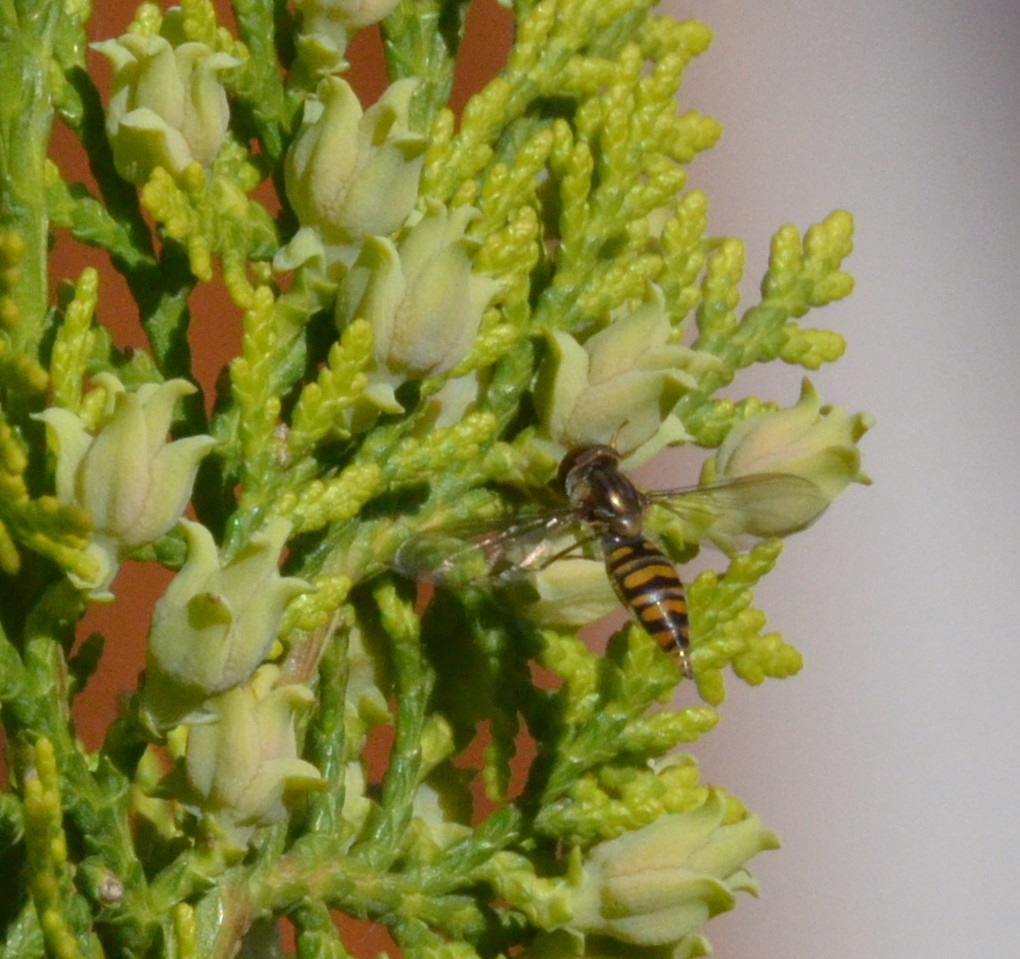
(436,309)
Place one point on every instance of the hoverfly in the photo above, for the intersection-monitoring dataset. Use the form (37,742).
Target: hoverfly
(605,508)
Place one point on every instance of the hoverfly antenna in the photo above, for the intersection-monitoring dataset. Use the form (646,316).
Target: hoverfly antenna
(616,436)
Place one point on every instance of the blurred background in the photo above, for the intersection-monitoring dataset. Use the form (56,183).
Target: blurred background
(890,765)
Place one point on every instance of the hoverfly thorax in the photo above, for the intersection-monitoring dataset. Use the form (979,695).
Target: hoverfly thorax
(600,494)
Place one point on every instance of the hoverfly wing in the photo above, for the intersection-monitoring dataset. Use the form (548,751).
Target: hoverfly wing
(458,554)
(746,508)
(441,556)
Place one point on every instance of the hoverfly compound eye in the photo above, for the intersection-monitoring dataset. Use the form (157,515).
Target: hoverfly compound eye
(579,463)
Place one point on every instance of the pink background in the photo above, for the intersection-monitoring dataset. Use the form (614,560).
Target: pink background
(890,765)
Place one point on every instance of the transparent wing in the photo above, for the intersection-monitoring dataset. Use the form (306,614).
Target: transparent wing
(461,553)
(731,513)
(760,506)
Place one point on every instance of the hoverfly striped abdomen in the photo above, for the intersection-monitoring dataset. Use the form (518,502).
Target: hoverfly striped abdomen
(645,581)
(648,585)
(604,507)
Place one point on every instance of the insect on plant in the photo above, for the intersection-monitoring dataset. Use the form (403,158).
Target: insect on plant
(606,511)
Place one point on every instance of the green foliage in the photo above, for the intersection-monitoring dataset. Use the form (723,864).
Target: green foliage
(434,311)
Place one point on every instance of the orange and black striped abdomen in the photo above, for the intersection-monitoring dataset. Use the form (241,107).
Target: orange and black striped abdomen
(648,585)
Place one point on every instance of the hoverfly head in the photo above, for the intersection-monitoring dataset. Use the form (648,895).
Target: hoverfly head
(579,464)
(601,494)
